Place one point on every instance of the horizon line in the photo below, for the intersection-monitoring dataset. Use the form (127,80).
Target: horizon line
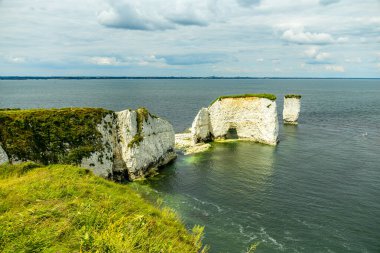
(171,77)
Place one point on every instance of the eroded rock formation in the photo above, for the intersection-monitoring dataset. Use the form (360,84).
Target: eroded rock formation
(292,108)
(249,117)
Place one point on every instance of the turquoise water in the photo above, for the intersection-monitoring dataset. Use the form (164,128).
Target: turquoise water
(317,191)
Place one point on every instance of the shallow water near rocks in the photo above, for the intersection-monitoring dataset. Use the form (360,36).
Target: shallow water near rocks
(317,191)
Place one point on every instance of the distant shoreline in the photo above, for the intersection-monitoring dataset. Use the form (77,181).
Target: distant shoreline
(163,77)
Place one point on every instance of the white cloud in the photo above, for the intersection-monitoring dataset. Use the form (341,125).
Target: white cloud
(105,61)
(299,36)
(316,55)
(335,68)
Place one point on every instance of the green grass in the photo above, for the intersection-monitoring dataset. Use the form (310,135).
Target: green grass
(293,96)
(264,95)
(141,117)
(51,135)
(61,208)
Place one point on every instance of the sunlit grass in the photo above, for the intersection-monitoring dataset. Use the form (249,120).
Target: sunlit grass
(62,208)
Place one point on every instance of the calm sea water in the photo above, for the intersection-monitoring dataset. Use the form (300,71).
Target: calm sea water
(317,191)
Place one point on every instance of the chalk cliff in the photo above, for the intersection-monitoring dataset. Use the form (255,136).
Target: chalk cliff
(128,144)
(145,142)
(292,108)
(3,156)
(249,117)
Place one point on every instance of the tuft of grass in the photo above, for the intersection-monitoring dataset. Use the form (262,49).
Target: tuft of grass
(51,135)
(142,116)
(293,96)
(263,95)
(62,208)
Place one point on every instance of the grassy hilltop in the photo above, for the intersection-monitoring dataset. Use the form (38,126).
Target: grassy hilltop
(62,208)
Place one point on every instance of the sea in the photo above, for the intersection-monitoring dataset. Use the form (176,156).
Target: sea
(318,190)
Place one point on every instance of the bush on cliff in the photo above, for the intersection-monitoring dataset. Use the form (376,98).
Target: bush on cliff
(61,208)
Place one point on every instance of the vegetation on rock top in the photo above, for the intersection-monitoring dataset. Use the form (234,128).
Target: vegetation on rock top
(61,208)
(51,135)
(263,95)
(292,96)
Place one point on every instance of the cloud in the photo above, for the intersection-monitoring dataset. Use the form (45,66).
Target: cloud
(317,57)
(105,61)
(335,68)
(150,60)
(298,36)
(192,59)
(133,17)
(157,15)
(328,2)
(14,59)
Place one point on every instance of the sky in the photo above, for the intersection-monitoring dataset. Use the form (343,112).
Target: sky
(256,38)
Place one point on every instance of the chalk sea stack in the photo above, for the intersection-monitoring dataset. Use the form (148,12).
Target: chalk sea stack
(292,108)
(251,117)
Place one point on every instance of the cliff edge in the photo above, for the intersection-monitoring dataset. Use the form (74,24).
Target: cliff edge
(119,145)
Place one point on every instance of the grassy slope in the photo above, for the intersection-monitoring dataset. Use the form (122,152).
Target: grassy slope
(264,95)
(61,208)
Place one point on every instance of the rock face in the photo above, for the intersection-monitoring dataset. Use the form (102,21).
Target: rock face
(292,108)
(138,143)
(200,128)
(145,142)
(129,144)
(250,118)
(3,156)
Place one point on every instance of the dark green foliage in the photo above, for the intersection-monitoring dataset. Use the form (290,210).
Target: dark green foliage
(293,96)
(51,135)
(263,95)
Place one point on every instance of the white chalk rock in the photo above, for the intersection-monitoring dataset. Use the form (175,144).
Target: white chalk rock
(3,156)
(129,149)
(292,108)
(250,118)
(146,146)
(200,128)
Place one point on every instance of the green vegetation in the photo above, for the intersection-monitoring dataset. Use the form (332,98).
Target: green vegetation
(264,95)
(292,96)
(142,116)
(51,135)
(61,208)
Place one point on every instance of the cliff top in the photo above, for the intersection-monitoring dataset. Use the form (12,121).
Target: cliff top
(61,208)
(262,95)
(293,96)
(44,135)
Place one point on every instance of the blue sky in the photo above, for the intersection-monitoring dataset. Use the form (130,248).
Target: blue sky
(304,38)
